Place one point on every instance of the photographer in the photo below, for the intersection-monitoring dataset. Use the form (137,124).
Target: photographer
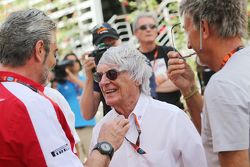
(104,36)
(70,85)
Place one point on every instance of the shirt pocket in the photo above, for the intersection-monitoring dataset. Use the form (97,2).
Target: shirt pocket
(156,159)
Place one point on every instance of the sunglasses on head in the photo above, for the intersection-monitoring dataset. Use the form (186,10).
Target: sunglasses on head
(146,26)
(111,74)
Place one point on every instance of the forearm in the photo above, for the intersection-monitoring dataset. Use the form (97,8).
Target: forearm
(166,86)
(80,83)
(75,79)
(194,103)
(88,101)
(96,159)
(234,158)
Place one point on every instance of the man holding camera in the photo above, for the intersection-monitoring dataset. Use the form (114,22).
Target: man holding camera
(104,36)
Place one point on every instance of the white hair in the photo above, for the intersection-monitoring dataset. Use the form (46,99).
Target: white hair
(132,61)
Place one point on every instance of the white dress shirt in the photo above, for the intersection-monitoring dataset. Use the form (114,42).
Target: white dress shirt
(168,137)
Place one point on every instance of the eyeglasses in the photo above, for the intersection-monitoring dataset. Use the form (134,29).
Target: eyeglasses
(173,41)
(147,26)
(111,74)
(137,145)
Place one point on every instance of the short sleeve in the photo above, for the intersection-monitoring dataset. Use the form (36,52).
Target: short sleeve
(228,116)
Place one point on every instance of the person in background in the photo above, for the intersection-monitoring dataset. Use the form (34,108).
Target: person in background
(215,30)
(145,30)
(158,131)
(71,88)
(104,36)
(33,129)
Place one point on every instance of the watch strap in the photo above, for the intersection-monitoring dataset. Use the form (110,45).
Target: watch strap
(109,152)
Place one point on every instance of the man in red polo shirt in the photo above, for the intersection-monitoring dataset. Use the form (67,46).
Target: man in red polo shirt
(33,129)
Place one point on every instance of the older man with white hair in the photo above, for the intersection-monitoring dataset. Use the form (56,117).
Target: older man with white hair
(160,134)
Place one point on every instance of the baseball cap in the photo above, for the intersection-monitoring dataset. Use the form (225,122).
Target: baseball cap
(99,32)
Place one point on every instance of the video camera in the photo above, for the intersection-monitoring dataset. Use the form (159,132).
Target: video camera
(59,69)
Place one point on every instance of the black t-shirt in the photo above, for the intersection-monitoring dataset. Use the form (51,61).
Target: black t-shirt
(106,108)
(162,64)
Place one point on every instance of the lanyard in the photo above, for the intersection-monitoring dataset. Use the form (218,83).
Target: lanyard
(13,79)
(137,145)
(155,59)
(229,55)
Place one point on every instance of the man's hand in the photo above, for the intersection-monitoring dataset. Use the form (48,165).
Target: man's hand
(88,64)
(114,131)
(180,73)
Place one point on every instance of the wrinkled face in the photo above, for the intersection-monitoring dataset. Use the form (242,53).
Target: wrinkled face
(50,60)
(119,91)
(76,67)
(146,30)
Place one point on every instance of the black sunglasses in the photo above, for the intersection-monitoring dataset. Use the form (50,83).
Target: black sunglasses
(146,26)
(111,74)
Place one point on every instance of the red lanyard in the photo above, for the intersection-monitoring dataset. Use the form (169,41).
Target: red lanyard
(137,145)
(229,55)
(155,57)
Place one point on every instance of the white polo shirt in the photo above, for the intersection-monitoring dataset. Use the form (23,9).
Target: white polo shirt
(168,137)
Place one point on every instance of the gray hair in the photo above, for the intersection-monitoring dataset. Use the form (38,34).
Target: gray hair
(143,15)
(131,60)
(227,17)
(19,34)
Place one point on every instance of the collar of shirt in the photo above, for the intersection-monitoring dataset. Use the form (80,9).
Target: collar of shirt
(5,75)
(139,112)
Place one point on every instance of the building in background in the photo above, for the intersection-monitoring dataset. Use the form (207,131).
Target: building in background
(76,18)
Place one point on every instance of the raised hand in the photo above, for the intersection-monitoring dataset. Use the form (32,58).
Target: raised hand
(180,72)
(114,131)
(88,64)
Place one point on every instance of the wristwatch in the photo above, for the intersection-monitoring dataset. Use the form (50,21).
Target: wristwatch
(104,148)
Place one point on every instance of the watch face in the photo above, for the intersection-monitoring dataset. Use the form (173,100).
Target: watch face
(105,147)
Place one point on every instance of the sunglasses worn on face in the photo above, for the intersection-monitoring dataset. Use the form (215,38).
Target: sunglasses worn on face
(147,26)
(111,74)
